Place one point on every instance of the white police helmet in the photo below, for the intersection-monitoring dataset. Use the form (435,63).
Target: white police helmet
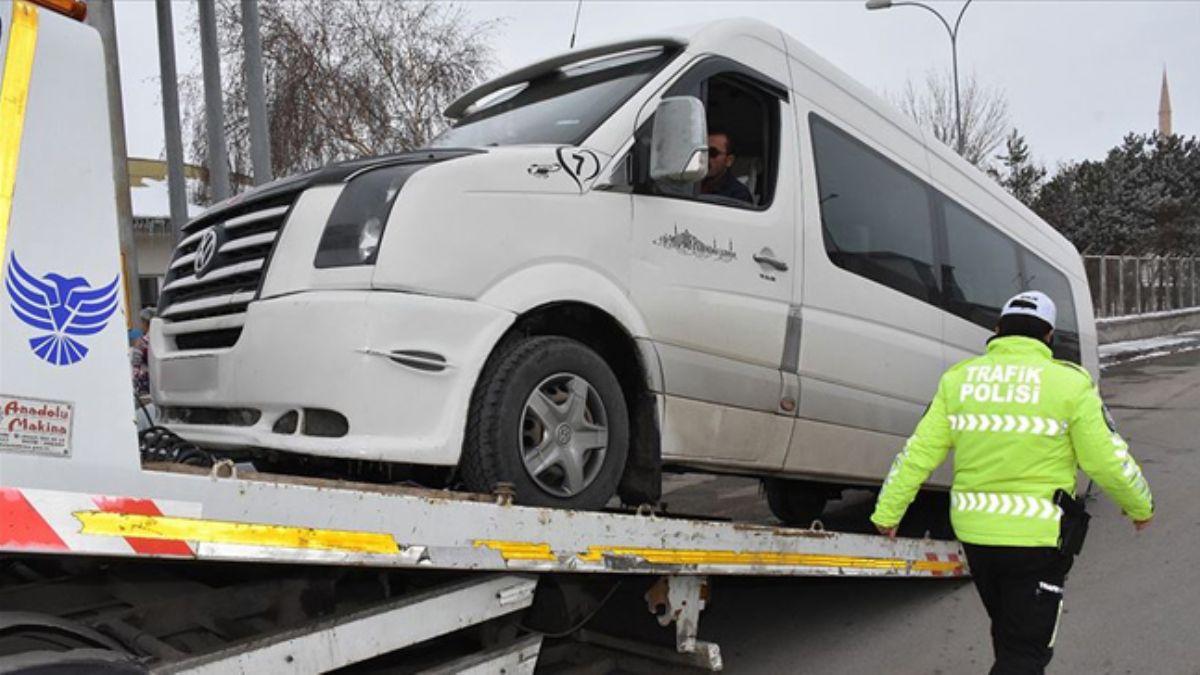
(1032,303)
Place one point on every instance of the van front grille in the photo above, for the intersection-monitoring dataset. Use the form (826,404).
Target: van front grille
(216,271)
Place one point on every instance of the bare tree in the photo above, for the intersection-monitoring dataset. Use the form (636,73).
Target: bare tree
(984,113)
(344,78)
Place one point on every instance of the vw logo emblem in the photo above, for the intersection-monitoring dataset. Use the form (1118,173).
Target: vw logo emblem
(206,252)
(563,434)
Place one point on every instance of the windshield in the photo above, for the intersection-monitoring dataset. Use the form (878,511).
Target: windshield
(560,107)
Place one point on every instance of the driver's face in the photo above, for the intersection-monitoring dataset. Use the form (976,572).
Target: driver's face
(719,158)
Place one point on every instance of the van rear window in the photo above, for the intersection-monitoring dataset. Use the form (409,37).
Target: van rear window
(982,269)
(1039,275)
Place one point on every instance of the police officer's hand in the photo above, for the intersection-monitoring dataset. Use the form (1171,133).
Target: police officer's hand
(1139,525)
(889,532)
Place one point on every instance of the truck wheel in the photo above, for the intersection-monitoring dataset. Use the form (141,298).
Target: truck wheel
(795,502)
(548,416)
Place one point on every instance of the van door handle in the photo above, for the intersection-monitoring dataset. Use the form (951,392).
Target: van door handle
(764,257)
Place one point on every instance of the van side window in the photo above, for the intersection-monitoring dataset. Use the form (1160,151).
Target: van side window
(878,222)
(1039,275)
(743,107)
(748,119)
(875,216)
(981,271)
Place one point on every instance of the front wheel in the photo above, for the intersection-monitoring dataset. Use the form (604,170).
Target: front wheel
(548,415)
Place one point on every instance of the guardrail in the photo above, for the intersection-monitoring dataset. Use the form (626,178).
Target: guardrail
(1125,285)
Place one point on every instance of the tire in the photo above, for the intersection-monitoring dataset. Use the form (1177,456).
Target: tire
(796,503)
(527,393)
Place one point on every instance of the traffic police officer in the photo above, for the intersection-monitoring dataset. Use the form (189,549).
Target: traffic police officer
(1020,423)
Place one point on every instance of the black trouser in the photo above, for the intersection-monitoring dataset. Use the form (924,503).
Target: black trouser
(1022,589)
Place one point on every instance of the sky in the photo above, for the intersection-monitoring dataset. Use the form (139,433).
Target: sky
(1078,75)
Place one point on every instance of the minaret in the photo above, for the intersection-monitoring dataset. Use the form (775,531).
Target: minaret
(1164,107)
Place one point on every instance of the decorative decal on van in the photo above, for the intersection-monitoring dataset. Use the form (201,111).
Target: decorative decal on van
(581,165)
(689,244)
(67,307)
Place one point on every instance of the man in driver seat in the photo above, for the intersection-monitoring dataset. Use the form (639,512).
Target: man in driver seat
(720,180)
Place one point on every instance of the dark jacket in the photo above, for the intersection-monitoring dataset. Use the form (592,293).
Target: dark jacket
(727,186)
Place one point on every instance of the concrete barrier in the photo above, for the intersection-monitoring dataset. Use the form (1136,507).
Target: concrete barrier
(1152,324)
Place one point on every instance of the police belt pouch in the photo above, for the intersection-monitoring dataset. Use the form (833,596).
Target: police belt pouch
(1074,524)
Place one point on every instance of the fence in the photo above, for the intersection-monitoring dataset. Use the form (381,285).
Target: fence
(1124,285)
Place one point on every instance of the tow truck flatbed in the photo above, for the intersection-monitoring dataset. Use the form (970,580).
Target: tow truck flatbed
(221,515)
(174,512)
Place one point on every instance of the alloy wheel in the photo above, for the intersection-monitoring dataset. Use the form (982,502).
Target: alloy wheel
(564,434)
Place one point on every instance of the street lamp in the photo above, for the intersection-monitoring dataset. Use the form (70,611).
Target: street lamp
(885,4)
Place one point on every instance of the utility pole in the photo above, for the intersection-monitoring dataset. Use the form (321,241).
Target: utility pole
(176,187)
(214,114)
(100,16)
(256,100)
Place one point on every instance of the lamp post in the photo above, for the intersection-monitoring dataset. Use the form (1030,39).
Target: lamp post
(953,32)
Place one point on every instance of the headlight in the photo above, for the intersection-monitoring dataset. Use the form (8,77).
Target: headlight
(355,227)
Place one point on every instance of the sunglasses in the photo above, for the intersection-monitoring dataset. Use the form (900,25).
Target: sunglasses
(715,152)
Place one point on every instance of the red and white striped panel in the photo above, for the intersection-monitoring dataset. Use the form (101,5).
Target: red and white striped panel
(43,521)
(950,557)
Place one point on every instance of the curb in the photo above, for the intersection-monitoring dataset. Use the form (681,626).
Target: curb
(1140,350)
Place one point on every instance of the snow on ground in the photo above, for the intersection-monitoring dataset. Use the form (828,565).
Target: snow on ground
(1130,318)
(1136,350)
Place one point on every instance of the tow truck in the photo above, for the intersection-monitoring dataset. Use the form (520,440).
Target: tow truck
(114,560)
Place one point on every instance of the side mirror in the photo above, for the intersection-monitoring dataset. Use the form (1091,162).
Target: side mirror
(679,141)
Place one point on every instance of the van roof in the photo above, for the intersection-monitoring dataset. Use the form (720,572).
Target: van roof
(698,35)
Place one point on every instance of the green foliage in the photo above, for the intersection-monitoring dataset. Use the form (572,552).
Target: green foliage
(1017,172)
(1143,197)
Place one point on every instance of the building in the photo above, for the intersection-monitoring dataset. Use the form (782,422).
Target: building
(1164,107)
(151,205)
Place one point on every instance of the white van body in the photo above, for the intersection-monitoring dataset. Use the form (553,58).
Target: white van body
(757,352)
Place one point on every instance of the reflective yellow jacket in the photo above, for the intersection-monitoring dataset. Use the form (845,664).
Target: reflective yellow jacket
(1019,423)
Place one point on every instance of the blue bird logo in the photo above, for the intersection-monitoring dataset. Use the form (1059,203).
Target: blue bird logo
(67,307)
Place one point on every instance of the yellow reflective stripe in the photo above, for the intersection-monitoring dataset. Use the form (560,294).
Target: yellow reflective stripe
(944,566)
(18,67)
(701,557)
(517,550)
(228,532)
(525,551)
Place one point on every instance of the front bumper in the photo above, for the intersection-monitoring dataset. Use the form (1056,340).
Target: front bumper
(343,352)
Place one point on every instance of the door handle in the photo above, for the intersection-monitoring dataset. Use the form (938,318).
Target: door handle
(764,257)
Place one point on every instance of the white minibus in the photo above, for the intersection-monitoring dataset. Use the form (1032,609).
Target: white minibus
(703,250)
